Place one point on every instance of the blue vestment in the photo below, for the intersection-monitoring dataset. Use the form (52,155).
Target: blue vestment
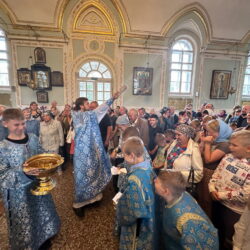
(3,131)
(186,226)
(33,127)
(92,168)
(123,178)
(32,219)
(135,209)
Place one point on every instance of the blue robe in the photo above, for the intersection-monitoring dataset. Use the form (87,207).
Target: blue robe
(137,205)
(3,131)
(33,127)
(92,167)
(32,219)
(123,178)
(186,226)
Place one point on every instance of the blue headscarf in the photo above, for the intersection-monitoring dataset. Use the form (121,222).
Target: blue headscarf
(225,131)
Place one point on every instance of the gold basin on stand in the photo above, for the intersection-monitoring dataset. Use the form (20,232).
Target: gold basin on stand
(46,164)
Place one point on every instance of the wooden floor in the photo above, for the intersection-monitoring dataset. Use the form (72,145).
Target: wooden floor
(94,231)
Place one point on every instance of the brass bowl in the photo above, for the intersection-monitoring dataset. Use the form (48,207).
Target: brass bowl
(46,164)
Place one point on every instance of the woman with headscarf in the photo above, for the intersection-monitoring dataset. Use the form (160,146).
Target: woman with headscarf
(184,155)
(216,146)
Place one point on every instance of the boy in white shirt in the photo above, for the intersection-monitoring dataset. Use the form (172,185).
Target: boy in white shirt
(230,186)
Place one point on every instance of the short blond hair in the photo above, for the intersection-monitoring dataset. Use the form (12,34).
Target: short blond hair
(214,125)
(173,180)
(243,136)
(207,118)
(12,114)
(133,145)
(129,132)
(195,123)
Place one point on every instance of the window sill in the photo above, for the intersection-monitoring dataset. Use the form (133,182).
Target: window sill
(6,89)
(180,95)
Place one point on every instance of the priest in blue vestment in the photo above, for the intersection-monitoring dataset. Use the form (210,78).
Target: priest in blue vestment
(32,220)
(184,225)
(92,168)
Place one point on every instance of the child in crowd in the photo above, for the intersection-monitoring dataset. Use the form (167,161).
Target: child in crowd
(184,225)
(196,125)
(135,208)
(230,186)
(241,238)
(117,159)
(32,220)
(233,125)
(163,141)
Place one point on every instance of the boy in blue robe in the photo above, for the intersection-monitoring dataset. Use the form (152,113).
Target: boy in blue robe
(32,220)
(184,223)
(135,208)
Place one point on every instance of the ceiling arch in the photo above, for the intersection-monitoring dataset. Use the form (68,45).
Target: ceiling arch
(195,9)
(43,14)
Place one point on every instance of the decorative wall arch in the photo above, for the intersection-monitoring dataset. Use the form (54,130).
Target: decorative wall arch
(198,11)
(92,17)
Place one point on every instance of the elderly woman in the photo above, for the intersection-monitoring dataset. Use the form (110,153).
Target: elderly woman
(184,154)
(51,134)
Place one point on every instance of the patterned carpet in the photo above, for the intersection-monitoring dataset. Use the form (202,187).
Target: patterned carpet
(92,232)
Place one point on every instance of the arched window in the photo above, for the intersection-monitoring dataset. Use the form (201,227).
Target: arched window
(181,72)
(4,64)
(94,81)
(246,85)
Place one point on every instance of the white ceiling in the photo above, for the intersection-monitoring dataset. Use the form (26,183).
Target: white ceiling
(229,18)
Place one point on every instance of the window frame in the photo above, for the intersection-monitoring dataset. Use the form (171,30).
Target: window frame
(247,67)
(6,51)
(193,51)
(95,80)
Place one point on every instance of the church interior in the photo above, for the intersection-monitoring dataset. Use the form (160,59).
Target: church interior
(167,53)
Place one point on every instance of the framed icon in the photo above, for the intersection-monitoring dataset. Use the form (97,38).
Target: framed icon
(23,76)
(57,79)
(220,84)
(40,55)
(41,76)
(42,96)
(142,81)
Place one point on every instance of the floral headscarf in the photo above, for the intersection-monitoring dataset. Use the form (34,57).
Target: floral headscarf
(186,130)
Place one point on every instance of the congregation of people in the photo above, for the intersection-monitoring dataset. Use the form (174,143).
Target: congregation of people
(182,178)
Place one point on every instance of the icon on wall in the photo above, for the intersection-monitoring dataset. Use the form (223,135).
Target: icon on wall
(41,76)
(142,81)
(23,76)
(57,79)
(42,96)
(220,84)
(40,55)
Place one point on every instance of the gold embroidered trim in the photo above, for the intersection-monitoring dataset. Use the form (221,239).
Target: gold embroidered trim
(174,203)
(185,218)
(138,183)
